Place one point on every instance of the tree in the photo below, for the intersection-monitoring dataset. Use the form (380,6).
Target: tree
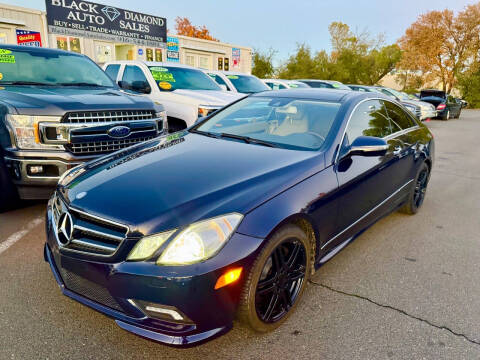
(441,45)
(263,64)
(469,84)
(183,26)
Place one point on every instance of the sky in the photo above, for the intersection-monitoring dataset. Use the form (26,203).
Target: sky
(281,24)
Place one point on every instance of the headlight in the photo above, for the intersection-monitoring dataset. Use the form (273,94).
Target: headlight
(146,247)
(205,110)
(162,117)
(26,131)
(200,241)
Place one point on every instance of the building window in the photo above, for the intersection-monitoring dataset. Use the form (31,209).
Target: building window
(190,60)
(149,54)
(103,53)
(69,43)
(204,63)
(158,55)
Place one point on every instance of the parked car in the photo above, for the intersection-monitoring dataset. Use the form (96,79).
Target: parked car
(325,84)
(238,82)
(185,92)
(423,110)
(446,105)
(177,236)
(278,84)
(57,110)
(462,102)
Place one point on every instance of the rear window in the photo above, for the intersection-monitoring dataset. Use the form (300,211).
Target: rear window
(433,93)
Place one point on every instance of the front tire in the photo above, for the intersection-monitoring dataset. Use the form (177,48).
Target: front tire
(8,192)
(417,194)
(277,279)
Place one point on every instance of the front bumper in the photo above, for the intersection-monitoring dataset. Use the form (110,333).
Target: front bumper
(117,289)
(39,186)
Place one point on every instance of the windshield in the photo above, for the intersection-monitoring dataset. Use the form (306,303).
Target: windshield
(399,95)
(284,122)
(297,85)
(171,78)
(24,67)
(247,84)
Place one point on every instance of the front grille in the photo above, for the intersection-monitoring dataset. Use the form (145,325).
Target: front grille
(107,116)
(90,234)
(98,147)
(88,289)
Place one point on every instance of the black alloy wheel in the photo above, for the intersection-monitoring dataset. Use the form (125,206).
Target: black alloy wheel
(281,281)
(277,279)
(417,193)
(420,188)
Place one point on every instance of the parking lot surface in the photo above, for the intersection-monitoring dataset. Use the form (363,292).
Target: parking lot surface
(407,288)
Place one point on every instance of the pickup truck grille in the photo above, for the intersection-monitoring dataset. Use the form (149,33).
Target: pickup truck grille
(107,116)
(99,147)
(88,131)
(89,234)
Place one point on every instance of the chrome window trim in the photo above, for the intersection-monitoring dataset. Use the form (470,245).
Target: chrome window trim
(392,135)
(368,213)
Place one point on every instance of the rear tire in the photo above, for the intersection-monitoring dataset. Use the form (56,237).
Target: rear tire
(8,192)
(446,116)
(417,194)
(277,279)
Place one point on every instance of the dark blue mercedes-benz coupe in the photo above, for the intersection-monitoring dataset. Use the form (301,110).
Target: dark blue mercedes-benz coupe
(176,237)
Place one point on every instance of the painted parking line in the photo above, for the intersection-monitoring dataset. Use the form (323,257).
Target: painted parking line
(12,239)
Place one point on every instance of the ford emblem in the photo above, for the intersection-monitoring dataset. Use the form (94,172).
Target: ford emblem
(119,132)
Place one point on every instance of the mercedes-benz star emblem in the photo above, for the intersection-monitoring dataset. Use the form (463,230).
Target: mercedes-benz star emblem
(65,229)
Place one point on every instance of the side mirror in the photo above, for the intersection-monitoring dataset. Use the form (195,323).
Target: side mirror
(368,146)
(224,87)
(141,87)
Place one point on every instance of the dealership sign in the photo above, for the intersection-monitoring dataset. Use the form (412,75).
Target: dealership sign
(173,53)
(29,38)
(103,22)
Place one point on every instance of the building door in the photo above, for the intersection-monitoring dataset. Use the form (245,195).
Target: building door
(6,36)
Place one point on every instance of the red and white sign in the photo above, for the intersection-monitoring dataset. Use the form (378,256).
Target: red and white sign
(29,38)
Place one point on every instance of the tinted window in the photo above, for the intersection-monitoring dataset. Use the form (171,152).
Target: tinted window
(112,71)
(173,78)
(50,68)
(369,119)
(133,78)
(247,84)
(219,80)
(276,86)
(400,120)
(286,122)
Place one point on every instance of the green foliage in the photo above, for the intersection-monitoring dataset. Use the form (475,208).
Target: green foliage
(469,84)
(263,64)
(355,59)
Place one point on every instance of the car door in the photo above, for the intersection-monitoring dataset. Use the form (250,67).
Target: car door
(365,183)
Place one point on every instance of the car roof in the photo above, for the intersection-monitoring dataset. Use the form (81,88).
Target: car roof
(152,63)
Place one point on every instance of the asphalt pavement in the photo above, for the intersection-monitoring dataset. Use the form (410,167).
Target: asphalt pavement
(407,288)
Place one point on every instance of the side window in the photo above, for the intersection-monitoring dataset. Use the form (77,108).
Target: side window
(270,85)
(400,120)
(112,71)
(134,79)
(369,119)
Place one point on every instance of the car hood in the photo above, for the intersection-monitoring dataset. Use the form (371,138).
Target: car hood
(210,97)
(168,183)
(56,101)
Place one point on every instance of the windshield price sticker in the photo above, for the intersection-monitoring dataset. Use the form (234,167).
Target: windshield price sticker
(233,77)
(1,76)
(164,85)
(158,69)
(163,76)
(6,57)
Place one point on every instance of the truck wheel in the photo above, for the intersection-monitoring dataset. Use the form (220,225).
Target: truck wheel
(8,193)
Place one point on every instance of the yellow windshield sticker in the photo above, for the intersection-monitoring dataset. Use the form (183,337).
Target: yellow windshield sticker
(165,85)
(163,76)
(233,77)
(1,76)
(6,56)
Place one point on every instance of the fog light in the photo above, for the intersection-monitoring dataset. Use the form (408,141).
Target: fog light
(35,169)
(161,312)
(172,313)
(228,278)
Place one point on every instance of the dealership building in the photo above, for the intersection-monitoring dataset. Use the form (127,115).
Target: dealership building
(105,33)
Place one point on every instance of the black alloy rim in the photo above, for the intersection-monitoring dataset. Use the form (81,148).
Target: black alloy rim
(420,188)
(281,280)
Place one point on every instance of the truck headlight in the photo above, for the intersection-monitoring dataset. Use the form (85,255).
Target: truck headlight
(205,110)
(26,131)
(200,241)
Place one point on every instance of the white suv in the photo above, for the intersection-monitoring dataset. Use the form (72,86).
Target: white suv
(185,92)
(237,82)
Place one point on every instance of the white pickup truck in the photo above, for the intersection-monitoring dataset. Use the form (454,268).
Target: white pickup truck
(185,92)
